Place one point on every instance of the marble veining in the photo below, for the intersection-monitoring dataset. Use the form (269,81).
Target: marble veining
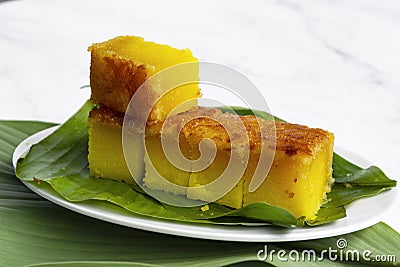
(328,64)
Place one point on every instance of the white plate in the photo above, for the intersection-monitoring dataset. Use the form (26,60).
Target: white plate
(360,214)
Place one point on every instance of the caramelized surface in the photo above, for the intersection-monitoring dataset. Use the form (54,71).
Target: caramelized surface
(290,138)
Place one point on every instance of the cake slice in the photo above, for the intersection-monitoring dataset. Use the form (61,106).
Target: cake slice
(215,127)
(121,65)
(106,156)
(107,160)
(159,171)
(301,172)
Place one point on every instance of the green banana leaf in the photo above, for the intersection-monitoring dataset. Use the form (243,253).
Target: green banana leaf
(61,161)
(36,232)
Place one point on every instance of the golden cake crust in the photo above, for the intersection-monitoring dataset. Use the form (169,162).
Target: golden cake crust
(291,138)
(104,114)
(295,138)
(110,72)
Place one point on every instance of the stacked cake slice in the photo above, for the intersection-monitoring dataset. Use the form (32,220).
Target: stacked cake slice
(118,68)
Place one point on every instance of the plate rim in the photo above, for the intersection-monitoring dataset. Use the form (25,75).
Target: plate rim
(237,233)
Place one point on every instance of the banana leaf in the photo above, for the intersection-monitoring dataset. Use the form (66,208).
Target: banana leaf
(36,232)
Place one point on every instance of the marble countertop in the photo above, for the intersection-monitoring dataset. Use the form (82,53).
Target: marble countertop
(328,64)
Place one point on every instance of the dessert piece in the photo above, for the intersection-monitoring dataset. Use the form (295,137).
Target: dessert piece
(107,160)
(106,157)
(159,170)
(301,172)
(120,66)
(215,127)
(157,165)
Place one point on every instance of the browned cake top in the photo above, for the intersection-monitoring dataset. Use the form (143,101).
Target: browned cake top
(290,138)
(294,138)
(107,115)
(212,123)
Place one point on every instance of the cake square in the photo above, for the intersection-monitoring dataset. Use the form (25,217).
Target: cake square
(121,65)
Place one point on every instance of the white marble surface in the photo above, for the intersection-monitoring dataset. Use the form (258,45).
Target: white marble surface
(328,64)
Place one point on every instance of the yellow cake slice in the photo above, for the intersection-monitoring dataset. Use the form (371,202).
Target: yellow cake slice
(301,172)
(106,157)
(120,66)
(158,169)
(215,126)
(157,165)
(107,160)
